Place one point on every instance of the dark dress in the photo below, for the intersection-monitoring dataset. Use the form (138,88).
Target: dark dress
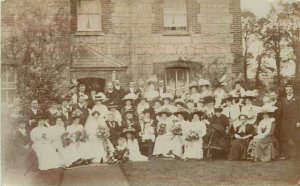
(216,137)
(238,150)
(290,115)
(85,114)
(114,131)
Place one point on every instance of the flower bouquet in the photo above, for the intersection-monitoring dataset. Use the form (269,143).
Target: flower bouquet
(102,133)
(162,129)
(192,136)
(177,130)
(66,140)
(81,136)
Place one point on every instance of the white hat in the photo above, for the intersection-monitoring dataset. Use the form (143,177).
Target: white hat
(130,96)
(268,109)
(249,94)
(100,96)
(167,96)
(202,82)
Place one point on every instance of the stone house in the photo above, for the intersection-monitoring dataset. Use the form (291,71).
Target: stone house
(176,40)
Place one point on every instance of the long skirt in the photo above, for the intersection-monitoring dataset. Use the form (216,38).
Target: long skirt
(193,149)
(85,150)
(102,149)
(69,154)
(238,149)
(262,149)
(47,156)
(164,144)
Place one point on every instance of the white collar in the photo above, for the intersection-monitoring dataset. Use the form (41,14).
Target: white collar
(290,97)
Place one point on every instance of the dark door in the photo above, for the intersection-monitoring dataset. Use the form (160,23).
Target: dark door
(93,83)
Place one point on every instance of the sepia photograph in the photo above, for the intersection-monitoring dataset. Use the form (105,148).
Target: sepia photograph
(150,92)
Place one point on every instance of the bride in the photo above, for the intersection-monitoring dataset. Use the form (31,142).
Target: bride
(103,148)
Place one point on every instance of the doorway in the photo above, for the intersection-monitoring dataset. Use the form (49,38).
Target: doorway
(177,79)
(97,84)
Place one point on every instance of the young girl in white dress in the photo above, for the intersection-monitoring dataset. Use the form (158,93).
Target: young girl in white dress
(42,139)
(79,137)
(133,146)
(194,133)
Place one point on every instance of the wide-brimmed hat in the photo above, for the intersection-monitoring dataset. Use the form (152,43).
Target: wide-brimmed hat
(166,96)
(129,111)
(147,111)
(197,112)
(76,113)
(243,114)
(129,130)
(130,96)
(72,86)
(193,85)
(152,80)
(142,97)
(209,99)
(180,102)
(164,111)
(218,109)
(203,82)
(100,97)
(249,95)
(182,112)
(267,109)
(112,105)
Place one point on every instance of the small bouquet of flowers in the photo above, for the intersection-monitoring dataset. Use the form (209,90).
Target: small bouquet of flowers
(192,136)
(102,133)
(65,139)
(81,136)
(177,130)
(162,129)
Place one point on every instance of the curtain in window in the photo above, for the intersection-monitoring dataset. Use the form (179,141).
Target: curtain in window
(89,15)
(175,13)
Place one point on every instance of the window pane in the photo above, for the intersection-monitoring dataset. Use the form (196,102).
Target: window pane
(3,96)
(89,22)
(175,14)
(11,85)
(180,20)
(11,96)
(11,75)
(3,76)
(171,78)
(89,6)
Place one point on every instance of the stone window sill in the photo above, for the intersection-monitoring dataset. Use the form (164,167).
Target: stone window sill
(89,33)
(176,33)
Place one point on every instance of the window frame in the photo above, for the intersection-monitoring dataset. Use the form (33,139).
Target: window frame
(7,86)
(176,77)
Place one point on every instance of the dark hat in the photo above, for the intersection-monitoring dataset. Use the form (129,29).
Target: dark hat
(164,111)
(219,84)
(218,109)
(229,98)
(129,111)
(199,113)
(289,85)
(182,112)
(147,111)
(180,102)
(209,99)
(128,130)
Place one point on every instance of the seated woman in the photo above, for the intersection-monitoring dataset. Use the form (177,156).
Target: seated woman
(262,147)
(147,134)
(133,146)
(114,128)
(41,137)
(121,153)
(242,136)
(167,144)
(216,139)
(193,133)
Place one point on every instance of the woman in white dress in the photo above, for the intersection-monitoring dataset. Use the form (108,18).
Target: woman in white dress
(133,146)
(42,138)
(249,109)
(57,131)
(194,94)
(79,137)
(99,106)
(167,144)
(101,145)
(204,85)
(194,133)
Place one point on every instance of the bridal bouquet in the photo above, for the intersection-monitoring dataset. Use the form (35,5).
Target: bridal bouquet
(66,139)
(192,136)
(102,133)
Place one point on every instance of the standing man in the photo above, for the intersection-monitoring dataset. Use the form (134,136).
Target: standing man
(73,93)
(141,88)
(109,93)
(32,114)
(84,111)
(131,89)
(81,90)
(275,102)
(119,92)
(290,124)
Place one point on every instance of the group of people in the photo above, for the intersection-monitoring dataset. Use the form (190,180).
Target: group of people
(142,123)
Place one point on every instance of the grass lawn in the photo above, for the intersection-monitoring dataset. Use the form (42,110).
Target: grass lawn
(174,172)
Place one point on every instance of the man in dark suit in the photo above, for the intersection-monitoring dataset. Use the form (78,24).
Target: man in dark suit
(141,88)
(84,111)
(275,102)
(32,113)
(119,92)
(91,100)
(131,89)
(129,122)
(290,124)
